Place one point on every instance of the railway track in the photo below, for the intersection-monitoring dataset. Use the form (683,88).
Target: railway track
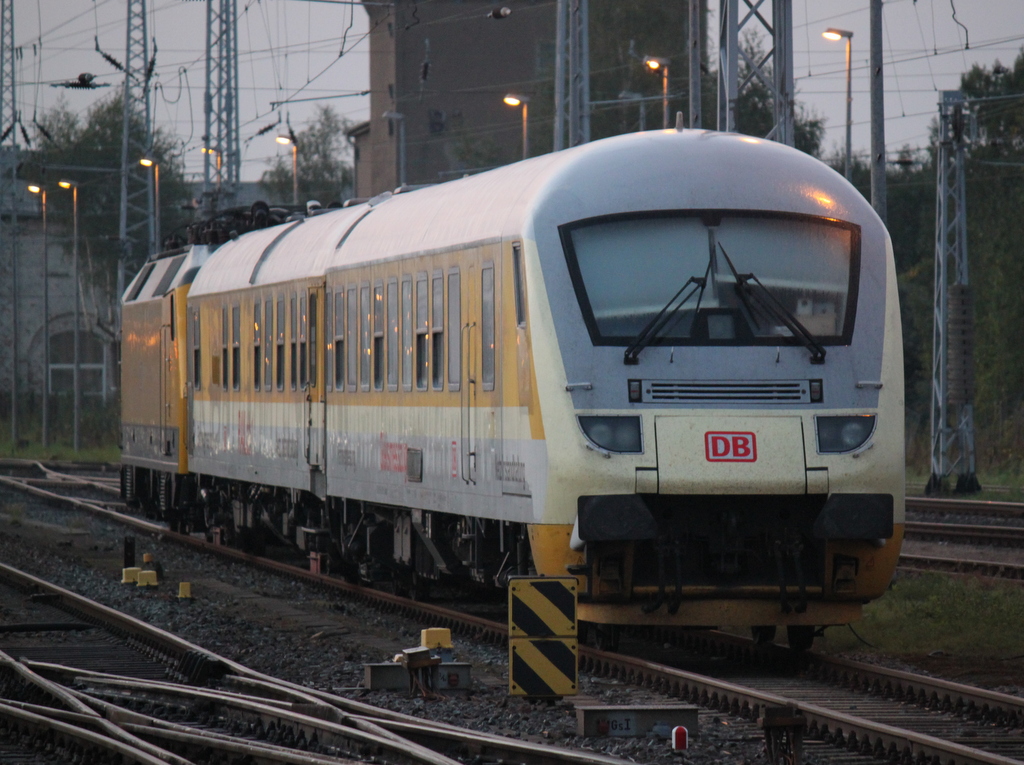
(210,703)
(860,707)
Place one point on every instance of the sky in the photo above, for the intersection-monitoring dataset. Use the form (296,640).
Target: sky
(295,54)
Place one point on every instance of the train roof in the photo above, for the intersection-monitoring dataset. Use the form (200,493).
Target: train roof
(654,170)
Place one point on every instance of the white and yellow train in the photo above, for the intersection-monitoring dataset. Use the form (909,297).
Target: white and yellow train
(668,363)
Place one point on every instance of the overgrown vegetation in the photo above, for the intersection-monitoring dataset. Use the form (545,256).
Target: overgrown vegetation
(926,613)
(324,172)
(995,197)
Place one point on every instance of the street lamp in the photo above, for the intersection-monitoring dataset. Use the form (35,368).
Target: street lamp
(147,162)
(400,119)
(654,64)
(46,322)
(524,101)
(839,34)
(208,151)
(286,140)
(76,380)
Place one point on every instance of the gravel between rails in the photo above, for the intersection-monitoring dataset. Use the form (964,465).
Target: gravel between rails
(299,633)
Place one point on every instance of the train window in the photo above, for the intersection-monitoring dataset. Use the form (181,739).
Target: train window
(224,348)
(312,339)
(353,339)
(328,341)
(802,268)
(437,331)
(257,351)
(293,328)
(378,337)
(339,339)
(303,378)
(268,346)
(173,321)
(197,377)
(406,333)
(393,339)
(364,319)
(454,330)
(517,278)
(487,327)
(422,333)
(236,348)
(280,343)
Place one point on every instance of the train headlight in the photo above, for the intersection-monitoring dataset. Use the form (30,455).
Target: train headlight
(614,434)
(837,435)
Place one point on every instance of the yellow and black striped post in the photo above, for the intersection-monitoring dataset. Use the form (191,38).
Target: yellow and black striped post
(542,643)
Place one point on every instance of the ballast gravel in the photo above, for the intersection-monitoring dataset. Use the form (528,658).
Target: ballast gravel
(303,634)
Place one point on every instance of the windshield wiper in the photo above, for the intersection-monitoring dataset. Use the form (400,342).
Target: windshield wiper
(767,302)
(655,326)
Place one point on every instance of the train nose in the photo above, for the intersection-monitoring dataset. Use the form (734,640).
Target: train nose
(730,455)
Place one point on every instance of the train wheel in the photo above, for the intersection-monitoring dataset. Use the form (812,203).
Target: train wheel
(762,635)
(800,636)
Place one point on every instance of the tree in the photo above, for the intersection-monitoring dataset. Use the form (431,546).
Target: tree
(88,151)
(324,174)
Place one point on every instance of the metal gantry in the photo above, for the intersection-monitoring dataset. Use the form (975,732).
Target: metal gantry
(774,69)
(572,68)
(222,160)
(952,406)
(8,188)
(136,142)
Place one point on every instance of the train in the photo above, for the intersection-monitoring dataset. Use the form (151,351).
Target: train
(667,363)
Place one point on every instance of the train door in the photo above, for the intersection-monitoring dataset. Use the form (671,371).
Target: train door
(481,389)
(313,366)
(168,439)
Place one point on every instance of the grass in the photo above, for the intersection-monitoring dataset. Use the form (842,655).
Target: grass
(925,613)
(59,451)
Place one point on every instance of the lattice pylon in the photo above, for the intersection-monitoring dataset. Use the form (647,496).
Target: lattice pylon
(952,403)
(137,223)
(732,21)
(8,193)
(222,159)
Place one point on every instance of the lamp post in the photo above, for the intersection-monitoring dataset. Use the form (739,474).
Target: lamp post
(400,119)
(46,322)
(289,140)
(840,34)
(147,162)
(77,379)
(655,64)
(629,95)
(216,154)
(524,101)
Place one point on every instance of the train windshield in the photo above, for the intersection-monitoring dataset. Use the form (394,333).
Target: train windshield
(626,270)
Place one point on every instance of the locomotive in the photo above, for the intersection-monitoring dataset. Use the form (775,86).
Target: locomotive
(667,363)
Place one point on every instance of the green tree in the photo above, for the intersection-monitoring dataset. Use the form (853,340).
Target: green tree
(87,149)
(323,170)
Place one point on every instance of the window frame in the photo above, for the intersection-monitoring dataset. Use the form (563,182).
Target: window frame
(407,332)
(393,342)
(421,355)
(454,318)
(257,358)
(488,328)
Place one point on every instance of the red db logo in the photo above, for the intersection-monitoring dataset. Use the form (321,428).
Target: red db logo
(730,447)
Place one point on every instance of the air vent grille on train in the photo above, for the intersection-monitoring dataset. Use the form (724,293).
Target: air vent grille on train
(726,391)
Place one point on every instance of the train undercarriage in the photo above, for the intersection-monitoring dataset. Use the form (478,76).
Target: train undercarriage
(365,542)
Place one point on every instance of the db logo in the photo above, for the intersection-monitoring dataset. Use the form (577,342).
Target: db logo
(730,447)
